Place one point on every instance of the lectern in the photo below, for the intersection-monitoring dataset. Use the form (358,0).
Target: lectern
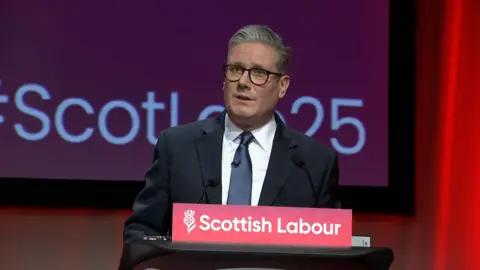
(161,253)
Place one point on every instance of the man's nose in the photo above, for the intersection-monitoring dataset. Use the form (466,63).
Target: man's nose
(245,79)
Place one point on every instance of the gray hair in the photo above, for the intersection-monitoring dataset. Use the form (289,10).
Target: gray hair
(265,35)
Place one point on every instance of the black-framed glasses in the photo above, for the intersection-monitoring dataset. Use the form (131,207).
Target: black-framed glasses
(258,76)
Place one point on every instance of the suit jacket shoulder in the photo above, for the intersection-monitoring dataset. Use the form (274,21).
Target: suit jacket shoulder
(189,130)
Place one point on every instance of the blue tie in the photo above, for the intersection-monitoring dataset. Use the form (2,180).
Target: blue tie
(240,191)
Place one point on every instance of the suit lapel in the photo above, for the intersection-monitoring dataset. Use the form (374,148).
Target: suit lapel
(209,151)
(279,166)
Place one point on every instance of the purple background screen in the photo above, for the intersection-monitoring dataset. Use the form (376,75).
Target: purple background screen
(86,86)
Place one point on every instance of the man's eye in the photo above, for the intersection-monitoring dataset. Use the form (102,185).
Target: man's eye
(259,72)
(235,69)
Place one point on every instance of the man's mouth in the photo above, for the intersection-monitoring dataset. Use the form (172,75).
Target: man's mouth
(241,97)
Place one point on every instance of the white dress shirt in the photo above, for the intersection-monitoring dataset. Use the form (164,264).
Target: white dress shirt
(259,149)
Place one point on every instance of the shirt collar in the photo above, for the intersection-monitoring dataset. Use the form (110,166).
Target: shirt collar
(263,135)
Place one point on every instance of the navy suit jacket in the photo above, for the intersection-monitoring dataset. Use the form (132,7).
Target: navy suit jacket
(188,157)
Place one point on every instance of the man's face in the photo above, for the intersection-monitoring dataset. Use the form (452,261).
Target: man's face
(257,97)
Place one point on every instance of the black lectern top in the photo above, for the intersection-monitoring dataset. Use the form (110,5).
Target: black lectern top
(154,247)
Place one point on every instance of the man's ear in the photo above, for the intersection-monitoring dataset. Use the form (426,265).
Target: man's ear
(284,84)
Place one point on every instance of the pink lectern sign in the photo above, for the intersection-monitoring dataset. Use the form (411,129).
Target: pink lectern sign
(266,225)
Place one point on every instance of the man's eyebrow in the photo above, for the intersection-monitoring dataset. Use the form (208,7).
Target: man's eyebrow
(252,66)
(259,66)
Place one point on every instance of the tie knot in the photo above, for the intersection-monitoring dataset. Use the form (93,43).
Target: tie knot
(246,138)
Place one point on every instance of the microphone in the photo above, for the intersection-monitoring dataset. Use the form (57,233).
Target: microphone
(210,184)
(299,162)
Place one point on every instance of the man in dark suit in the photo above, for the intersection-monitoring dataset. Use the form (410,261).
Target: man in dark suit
(246,155)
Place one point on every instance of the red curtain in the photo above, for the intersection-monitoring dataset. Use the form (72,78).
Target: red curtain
(458,149)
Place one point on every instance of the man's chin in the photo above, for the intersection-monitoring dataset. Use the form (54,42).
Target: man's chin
(241,114)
